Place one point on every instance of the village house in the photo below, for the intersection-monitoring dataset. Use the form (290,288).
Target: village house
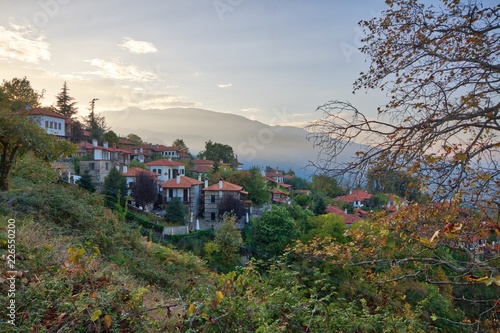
(349,219)
(131,175)
(166,169)
(355,198)
(98,160)
(279,196)
(187,189)
(213,195)
(52,122)
(202,167)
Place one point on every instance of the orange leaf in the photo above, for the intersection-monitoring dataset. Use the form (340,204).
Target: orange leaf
(107,321)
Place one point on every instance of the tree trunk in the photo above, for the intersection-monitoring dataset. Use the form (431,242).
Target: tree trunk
(4,175)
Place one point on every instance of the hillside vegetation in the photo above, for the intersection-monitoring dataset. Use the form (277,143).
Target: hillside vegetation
(80,268)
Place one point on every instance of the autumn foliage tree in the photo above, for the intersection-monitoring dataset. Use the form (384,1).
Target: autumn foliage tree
(439,65)
(19,134)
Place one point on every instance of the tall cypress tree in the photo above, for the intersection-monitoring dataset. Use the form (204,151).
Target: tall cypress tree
(65,103)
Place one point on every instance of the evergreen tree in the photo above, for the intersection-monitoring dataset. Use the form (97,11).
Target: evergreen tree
(86,182)
(176,211)
(114,184)
(95,124)
(65,103)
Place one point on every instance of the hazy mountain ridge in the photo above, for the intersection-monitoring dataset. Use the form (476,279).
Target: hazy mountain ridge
(255,143)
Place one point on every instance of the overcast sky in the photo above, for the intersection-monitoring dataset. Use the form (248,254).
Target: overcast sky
(272,61)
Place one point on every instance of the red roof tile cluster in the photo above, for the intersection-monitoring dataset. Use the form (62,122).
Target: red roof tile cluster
(226,186)
(348,218)
(46,112)
(358,195)
(165,162)
(133,172)
(184,182)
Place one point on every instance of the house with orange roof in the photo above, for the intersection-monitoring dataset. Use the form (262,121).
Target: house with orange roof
(52,122)
(356,198)
(202,167)
(280,196)
(348,218)
(274,175)
(166,169)
(187,189)
(213,195)
(98,160)
(132,173)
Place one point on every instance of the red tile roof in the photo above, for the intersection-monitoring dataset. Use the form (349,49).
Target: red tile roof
(348,218)
(133,172)
(201,168)
(45,112)
(226,186)
(165,162)
(203,161)
(358,195)
(276,191)
(184,182)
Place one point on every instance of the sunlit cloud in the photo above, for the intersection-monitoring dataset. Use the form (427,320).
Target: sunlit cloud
(17,43)
(144,99)
(225,85)
(137,46)
(251,110)
(115,69)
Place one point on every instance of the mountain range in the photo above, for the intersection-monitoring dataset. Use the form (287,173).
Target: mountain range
(255,143)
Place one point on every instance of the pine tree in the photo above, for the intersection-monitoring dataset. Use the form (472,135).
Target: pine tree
(95,123)
(65,104)
(86,182)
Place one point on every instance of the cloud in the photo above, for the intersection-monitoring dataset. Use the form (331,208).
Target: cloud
(141,98)
(251,110)
(225,85)
(17,44)
(137,46)
(115,69)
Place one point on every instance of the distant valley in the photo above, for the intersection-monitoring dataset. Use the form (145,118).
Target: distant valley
(255,143)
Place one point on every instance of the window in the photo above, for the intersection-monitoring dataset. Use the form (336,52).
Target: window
(92,166)
(212,198)
(154,170)
(46,124)
(182,171)
(212,216)
(59,126)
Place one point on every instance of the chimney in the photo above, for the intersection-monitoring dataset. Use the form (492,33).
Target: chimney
(140,150)
(178,179)
(105,144)
(150,146)
(199,177)
(135,150)
(157,146)
(94,142)
(345,211)
(221,161)
(114,145)
(220,183)
(206,182)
